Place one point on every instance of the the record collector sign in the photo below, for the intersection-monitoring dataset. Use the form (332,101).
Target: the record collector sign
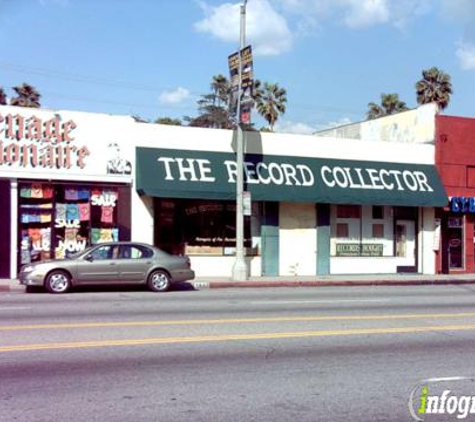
(200,174)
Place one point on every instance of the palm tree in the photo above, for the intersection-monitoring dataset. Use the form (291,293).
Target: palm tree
(435,86)
(168,121)
(390,104)
(3,97)
(272,103)
(221,88)
(27,96)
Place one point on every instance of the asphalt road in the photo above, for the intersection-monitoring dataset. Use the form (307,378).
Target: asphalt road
(320,354)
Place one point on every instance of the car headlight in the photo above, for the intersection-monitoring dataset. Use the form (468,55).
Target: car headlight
(28,268)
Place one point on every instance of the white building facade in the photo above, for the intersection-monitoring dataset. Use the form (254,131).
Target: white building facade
(319,205)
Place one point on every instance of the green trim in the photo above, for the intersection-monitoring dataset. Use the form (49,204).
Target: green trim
(270,239)
(323,239)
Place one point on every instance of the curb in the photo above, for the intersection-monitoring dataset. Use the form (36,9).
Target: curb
(202,285)
(342,283)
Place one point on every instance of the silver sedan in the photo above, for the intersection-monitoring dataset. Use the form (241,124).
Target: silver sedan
(109,263)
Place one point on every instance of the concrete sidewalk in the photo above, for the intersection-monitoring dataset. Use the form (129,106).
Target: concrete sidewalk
(9,285)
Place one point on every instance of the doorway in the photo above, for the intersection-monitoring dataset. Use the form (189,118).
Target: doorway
(405,245)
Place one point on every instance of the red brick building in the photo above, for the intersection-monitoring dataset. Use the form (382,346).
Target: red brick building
(455,161)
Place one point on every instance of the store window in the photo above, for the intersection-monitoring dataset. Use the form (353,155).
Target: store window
(348,211)
(378,212)
(361,231)
(455,242)
(199,227)
(342,231)
(378,231)
(58,220)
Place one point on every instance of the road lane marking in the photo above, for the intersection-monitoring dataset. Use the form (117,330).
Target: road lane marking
(231,337)
(124,324)
(332,301)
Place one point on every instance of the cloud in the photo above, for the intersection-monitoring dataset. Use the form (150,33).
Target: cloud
(463,12)
(266,29)
(294,127)
(356,14)
(459,10)
(174,97)
(466,55)
(301,128)
(364,13)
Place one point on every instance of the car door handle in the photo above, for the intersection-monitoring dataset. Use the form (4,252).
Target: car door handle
(112,263)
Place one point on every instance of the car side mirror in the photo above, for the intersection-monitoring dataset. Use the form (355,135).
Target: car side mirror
(89,258)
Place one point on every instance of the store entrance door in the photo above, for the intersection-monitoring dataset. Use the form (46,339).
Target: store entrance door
(405,244)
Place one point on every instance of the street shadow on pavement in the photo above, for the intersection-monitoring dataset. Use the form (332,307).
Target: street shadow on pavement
(175,287)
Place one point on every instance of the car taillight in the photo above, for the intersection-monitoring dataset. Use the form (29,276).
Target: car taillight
(188,263)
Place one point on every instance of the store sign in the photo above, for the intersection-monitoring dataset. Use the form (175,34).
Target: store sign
(31,142)
(42,144)
(462,204)
(211,175)
(359,249)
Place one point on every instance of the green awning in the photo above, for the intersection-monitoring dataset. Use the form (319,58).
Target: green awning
(170,173)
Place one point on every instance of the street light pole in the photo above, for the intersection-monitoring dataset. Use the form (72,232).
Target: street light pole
(240,266)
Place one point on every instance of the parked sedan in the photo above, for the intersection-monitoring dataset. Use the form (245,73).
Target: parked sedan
(109,263)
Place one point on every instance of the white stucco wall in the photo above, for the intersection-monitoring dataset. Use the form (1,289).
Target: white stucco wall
(222,266)
(412,126)
(427,263)
(297,239)
(142,218)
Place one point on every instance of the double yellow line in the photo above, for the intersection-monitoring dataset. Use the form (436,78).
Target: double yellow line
(217,321)
(234,337)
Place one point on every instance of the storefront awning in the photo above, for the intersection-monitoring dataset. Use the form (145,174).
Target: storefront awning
(169,173)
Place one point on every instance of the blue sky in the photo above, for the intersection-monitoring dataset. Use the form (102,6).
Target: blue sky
(154,58)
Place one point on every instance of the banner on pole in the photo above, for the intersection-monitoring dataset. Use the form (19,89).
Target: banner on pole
(247,82)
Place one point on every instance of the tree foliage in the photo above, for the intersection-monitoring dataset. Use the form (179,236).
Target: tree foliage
(271,103)
(390,104)
(26,96)
(3,97)
(217,110)
(435,86)
(168,121)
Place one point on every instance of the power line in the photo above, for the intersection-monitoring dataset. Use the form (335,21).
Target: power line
(127,85)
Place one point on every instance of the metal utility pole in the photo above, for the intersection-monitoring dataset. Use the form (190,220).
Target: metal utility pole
(240,266)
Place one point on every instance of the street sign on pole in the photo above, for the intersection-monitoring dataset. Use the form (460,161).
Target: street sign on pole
(247,82)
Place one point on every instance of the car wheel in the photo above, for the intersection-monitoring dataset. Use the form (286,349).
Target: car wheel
(159,281)
(58,282)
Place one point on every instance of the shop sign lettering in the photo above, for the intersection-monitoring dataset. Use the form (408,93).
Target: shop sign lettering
(30,142)
(71,245)
(461,204)
(359,249)
(108,200)
(41,245)
(367,178)
(199,170)
(286,174)
(68,224)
